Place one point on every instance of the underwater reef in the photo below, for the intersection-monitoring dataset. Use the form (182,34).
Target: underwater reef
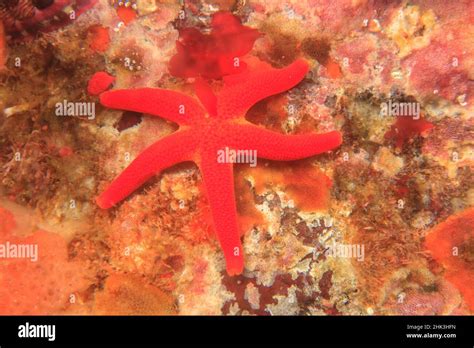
(236,157)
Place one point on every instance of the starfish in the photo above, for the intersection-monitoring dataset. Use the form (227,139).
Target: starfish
(207,126)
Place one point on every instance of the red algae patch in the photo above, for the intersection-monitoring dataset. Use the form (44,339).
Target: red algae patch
(407,128)
(451,244)
(99,38)
(99,82)
(333,69)
(216,54)
(65,151)
(126,14)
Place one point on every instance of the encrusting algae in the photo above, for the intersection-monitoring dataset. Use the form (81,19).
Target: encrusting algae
(354,124)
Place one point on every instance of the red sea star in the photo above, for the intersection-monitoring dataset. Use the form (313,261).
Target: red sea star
(205,131)
(215,54)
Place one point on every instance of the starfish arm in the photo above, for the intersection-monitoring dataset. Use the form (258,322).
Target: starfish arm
(219,182)
(236,98)
(281,147)
(166,152)
(171,105)
(206,95)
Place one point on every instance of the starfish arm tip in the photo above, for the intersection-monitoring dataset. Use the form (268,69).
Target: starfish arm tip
(238,98)
(301,64)
(103,202)
(337,138)
(235,270)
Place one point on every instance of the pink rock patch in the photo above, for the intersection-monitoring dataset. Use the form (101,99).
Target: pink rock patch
(357,54)
(438,69)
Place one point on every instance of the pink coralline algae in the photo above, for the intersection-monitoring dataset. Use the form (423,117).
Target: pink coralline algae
(44,15)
